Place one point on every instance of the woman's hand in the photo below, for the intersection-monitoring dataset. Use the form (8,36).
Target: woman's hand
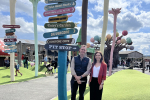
(100,87)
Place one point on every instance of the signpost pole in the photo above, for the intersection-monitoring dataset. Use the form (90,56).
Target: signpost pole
(12,21)
(35,2)
(62,63)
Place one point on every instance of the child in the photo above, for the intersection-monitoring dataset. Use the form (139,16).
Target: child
(17,68)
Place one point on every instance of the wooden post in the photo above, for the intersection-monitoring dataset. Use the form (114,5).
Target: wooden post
(84,22)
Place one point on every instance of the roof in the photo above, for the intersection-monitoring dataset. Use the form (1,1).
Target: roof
(125,52)
(28,41)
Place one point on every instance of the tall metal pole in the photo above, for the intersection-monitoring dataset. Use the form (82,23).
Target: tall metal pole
(105,21)
(12,22)
(35,2)
(84,22)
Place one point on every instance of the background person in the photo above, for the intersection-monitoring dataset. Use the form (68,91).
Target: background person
(17,68)
(97,76)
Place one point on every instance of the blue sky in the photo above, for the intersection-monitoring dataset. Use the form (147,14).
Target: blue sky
(134,17)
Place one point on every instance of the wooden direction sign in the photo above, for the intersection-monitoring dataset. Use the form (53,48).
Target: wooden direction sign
(61,41)
(7,37)
(59,6)
(7,34)
(59,11)
(10,47)
(11,26)
(60,33)
(59,25)
(56,1)
(61,47)
(10,30)
(10,51)
(10,43)
(10,40)
(58,19)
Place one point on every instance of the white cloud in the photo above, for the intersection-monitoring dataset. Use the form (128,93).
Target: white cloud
(79,8)
(22,6)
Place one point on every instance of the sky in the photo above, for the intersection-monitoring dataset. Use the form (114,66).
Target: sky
(134,17)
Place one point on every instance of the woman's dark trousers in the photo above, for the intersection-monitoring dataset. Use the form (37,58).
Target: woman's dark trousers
(95,93)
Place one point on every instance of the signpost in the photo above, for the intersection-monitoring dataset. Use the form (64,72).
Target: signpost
(10,40)
(61,41)
(59,6)
(59,25)
(10,47)
(58,19)
(60,33)
(7,34)
(59,11)
(10,30)
(11,26)
(61,47)
(56,1)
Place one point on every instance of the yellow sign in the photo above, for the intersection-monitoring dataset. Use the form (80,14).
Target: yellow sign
(58,19)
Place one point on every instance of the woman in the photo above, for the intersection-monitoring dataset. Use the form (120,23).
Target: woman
(97,76)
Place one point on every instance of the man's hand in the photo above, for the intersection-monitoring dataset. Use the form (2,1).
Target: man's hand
(77,78)
(79,82)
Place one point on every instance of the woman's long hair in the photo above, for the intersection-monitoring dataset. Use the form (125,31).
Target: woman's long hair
(101,60)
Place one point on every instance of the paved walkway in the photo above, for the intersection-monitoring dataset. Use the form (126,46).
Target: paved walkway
(44,88)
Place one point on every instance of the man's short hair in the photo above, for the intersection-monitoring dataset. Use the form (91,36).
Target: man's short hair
(83,46)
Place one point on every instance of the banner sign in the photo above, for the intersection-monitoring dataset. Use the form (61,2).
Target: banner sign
(60,33)
(59,25)
(61,47)
(10,31)
(59,6)
(56,1)
(58,19)
(11,26)
(10,51)
(10,40)
(61,41)
(10,47)
(59,11)
(10,43)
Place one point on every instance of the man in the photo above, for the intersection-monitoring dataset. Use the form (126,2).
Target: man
(80,69)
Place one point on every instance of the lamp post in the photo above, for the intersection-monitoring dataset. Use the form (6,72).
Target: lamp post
(35,2)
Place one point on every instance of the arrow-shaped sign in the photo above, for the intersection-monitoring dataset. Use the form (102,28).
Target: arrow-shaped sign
(59,6)
(11,26)
(58,19)
(59,11)
(10,30)
(60,33)
(7,37)
(61,47)
(10,43)
(10,51)
(7,34)
(10,47)
(59,25)
(56,1)
(61,41)
(10,40)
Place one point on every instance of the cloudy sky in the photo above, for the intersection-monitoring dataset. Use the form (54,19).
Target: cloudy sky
(134,17)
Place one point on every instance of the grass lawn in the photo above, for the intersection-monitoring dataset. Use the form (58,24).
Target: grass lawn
(123,85)
(27,75)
